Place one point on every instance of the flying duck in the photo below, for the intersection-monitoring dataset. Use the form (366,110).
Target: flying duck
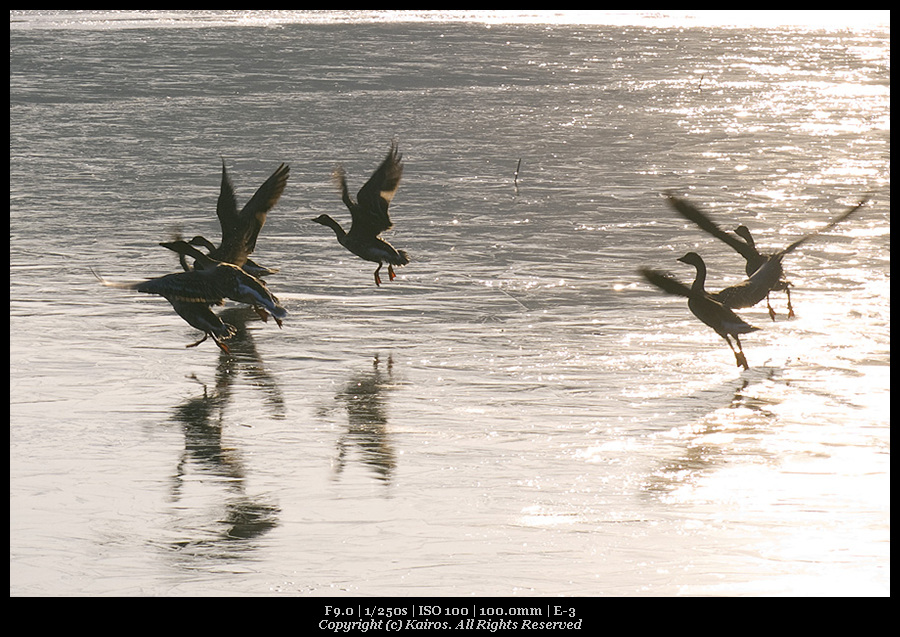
(241,229)
(224,279)
(192,293)
(705,307)
(369,215)
(194,308)
(744,245)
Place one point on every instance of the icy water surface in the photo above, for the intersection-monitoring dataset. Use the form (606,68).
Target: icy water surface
(517,413)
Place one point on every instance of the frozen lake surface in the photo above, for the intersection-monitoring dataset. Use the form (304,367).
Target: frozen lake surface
(518,413)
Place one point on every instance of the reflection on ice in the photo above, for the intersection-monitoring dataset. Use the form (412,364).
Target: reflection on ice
(213,467)
(538,420)
(364,398)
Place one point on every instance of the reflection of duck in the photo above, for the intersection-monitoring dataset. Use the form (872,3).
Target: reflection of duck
(746,247)
(744,409)
(364,399)
(245,359)
(200,418)
(240,517)
(203,415)
(241,229)
(369,215)
(705,307)
(192,293)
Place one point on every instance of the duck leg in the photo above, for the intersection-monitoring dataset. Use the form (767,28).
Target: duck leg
(262,314)
(771,310)
(205,336)
(222,346)
(787,290)
(391,272)
(378,278)
(740,359)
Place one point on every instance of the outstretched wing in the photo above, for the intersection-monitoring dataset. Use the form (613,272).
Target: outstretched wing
(226,206)
(831,224)
(373,199)
(253,215)
(694,215)
(340,179)
(666,282)
(190,287)
(240,240)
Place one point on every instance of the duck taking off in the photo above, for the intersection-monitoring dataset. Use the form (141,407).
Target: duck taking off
(194,309)
(744,245)
(705,307)
(240,230)
(228,280)
(192,294)
(369,215)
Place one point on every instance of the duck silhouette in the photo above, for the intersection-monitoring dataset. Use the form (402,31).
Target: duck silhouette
(240,229)
(193,293)
(745,245)
(705,306)
(369,215)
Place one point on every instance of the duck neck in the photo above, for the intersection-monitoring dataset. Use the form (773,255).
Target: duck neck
(334,225)
(700,280)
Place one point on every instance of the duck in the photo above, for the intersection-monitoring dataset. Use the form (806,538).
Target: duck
(745,245)
(369,215)
(748,292)
(192,294)
(225,280)
(706,307)
(200,316)
(240,230)
(193,308)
